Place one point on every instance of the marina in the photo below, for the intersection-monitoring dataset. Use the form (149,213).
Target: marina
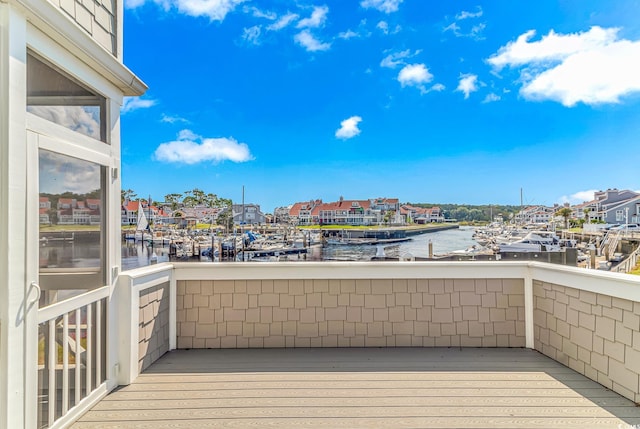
(455,244)
(137,253)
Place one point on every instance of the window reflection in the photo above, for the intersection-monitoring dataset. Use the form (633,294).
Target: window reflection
(57,98)
(72,233)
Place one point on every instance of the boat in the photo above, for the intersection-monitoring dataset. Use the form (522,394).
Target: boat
(534,241)
(142,226)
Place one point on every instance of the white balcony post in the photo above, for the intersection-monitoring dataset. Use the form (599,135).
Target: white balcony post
(528,309)
(128,308)
(14,276)
(173,293)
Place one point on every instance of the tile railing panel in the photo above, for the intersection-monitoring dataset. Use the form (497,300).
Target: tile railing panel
(350,313)
(595,334)
(153,325)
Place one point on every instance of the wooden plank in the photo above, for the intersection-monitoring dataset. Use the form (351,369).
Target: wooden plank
(364,384)
(372,410)
(593,394)
(364,401)
(426,376)
(372,423)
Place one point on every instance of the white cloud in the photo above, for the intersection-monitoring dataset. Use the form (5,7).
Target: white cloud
(437,87)
(317,18)
(397,58)
(348,35)
(468,83)
(591,67)
(578,197)
(215,10)
(415,75)
(475,32)
(491,98)
(252,34)
(130,104)
(61,173)
(384,27)
(173,119)
(465,15)
(551,48)
(187,135)
(453,27)
(309,42)
(133,4)
(83,120)
(349,128)
(386,6)
(283,21)
(191,149)
(258,13)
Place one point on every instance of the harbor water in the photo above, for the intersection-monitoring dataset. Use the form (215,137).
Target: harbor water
(138,254)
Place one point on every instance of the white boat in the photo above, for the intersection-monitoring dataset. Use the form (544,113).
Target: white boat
(534,241)
(142,226)
(159,238)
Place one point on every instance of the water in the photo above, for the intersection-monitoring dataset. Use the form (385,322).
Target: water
(137,255)
(443,242)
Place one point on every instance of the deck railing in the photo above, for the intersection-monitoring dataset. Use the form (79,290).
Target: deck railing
(71,356)
(586,319)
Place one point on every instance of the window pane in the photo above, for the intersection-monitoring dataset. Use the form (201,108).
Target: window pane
(72,233)
(59,99)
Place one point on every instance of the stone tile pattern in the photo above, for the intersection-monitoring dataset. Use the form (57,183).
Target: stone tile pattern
(96,17)
(596,335)
(350,313)
(153,326)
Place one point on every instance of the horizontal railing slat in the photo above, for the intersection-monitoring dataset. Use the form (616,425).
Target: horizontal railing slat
(71,304)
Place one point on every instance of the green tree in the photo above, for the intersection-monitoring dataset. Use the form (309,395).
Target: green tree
(225,215)
(128,194)
(565,212)
(173,200)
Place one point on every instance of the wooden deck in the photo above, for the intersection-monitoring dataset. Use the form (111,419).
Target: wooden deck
(361,388)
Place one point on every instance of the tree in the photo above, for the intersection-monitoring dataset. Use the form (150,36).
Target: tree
(127,195)
(195,197)
(587,218)
(174,200)
(53,216)
(225,216)
(565,212)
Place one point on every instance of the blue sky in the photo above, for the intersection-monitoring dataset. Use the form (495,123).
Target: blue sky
(426,101)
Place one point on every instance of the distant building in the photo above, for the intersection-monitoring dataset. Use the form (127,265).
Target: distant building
(303,213)
(421,215)
(282,215)
(70,211)
(627,211)
(154,215)
(616,206)
(346,212)
(247,214)
(535,214)
(44,210)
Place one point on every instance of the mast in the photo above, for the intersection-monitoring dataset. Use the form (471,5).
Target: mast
(242,227)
